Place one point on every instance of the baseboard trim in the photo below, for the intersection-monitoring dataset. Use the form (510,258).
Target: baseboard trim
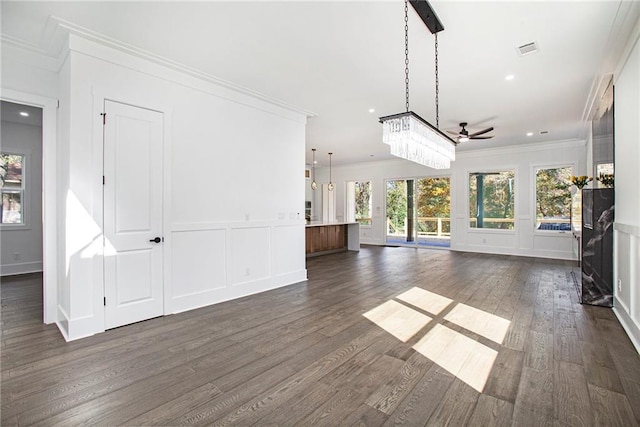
(628,324)
(21,268)
(181,303)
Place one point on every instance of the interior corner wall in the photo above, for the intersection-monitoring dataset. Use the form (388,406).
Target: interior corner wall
(234,184)
(627,202)
(524,240)
(62,159)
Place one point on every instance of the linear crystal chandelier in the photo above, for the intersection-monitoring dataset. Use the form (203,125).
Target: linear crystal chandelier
(409,135)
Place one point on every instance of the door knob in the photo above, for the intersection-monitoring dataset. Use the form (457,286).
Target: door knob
(156,240)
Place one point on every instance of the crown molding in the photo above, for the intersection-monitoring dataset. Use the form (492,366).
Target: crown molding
(68,27)
(28,53)
(53,49)
(517,149)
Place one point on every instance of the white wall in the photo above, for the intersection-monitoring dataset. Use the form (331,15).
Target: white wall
(627,183)
(27,71)
(25,241)
(234,185)
(524,240)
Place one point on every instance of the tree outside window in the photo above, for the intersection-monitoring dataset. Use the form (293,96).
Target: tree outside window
(553,198)
(11,188)
(433,205)
(491,200)
(362,198)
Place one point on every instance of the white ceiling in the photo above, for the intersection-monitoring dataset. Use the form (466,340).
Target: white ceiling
(11,112)
(338,59)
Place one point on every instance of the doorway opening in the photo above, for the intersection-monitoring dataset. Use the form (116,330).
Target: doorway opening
(21,205)
(418,212)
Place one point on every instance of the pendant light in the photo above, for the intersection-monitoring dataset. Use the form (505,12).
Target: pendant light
(330,186)
(314,184)
(410,136)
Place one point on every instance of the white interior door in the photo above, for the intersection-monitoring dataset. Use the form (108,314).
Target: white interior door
(132,214)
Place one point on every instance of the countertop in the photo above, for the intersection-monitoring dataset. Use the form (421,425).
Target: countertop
(325,223)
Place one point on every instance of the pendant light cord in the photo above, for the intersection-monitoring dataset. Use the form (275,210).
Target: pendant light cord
(437,86)
(406,53)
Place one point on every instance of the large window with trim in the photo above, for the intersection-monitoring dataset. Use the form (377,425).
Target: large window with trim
(359,201)
(492,200)
(553,198)
(12,188)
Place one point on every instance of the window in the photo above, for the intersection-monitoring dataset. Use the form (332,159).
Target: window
(604,171)
(553,198)
(12,188)
(491,200)
(359,201)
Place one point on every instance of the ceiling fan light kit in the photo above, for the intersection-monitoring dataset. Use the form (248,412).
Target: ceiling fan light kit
(409,135)
(463,134)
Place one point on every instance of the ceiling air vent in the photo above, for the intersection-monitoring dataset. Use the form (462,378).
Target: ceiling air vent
(528,48)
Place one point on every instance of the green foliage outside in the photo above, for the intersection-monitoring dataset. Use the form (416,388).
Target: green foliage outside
(396,206)
(553,198)
(431,199)
(497,200)
(363,202)
(10,168)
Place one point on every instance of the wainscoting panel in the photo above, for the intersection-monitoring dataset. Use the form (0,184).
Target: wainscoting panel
(553,245)
(250,254)
(216,262)
(627,279)
(199,260)
(288,250)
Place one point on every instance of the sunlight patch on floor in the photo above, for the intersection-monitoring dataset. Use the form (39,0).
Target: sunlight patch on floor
(425,300)
(399,320)
(480,322)
(463,357)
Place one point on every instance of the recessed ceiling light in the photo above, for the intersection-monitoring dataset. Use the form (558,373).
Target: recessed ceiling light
(510,77)
(24,114)
(371,110)
(529,133)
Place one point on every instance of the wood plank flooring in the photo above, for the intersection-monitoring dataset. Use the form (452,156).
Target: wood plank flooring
(306,355)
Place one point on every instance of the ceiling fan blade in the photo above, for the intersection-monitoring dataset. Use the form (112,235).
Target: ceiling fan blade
(452,132)
(480,137)
(481,132)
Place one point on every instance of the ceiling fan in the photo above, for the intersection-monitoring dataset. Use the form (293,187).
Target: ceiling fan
(464,136)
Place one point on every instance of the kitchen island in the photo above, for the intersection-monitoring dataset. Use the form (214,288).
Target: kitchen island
(329,237)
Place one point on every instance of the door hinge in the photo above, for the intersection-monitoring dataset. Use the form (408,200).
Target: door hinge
(104,118)
(105,301)
(58,106)
(103,180)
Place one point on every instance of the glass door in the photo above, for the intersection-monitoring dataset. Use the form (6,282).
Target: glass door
(399,211)
(418,212)
(433,210)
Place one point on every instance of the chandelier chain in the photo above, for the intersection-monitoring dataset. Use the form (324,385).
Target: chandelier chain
(406,53)
(437,86)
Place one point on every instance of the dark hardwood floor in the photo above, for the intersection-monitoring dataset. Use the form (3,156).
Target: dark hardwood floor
(507,341)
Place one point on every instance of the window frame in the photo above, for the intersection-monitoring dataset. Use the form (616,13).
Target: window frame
(25,192)
(351,203)
(516,196)
(534,199)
